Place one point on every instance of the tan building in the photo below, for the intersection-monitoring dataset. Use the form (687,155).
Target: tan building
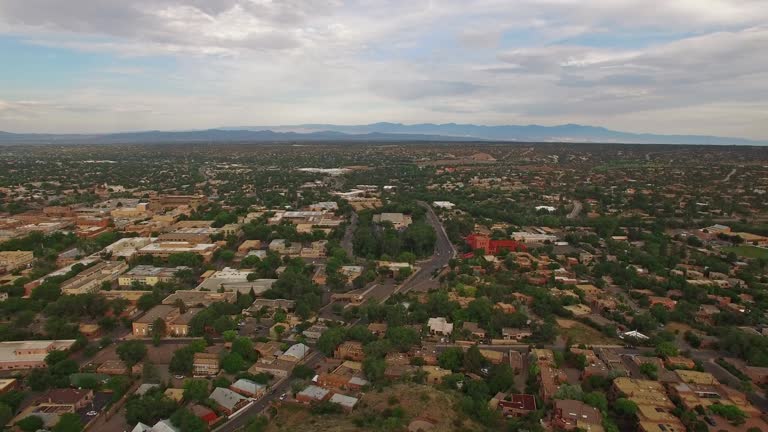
(18,355)
(148,275)
(13,260)
(176,323)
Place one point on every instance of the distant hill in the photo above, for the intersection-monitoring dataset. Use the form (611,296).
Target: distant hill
(378,132)
(212,136)
(561,133)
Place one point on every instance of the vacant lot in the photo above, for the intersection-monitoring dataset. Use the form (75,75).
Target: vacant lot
(748,251)
(415,400)
(583,334)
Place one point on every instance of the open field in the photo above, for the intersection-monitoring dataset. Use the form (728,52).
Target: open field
(748,251)
(415,400)
(583,334)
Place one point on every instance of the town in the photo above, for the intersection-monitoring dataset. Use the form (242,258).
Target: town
(265,287)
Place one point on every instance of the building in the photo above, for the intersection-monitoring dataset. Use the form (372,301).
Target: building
(346,402)
(295,353)
(72,398)
(91,279)
(398,220)
(248,388)
(7,384)
(515,334)
(513,405)
(11,261)
(205,364)
(350,350)
(278,368)
(127,248)
(228,401)
(642,392)
(313,394)
(176,323)
(493,247)
(574,414)
(148,275)
(164,249)
(229,279)
(195,298)
(439,326)
(20,355)
(163,202)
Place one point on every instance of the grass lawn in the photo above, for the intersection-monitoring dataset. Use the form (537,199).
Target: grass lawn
(583,334)
(748,251)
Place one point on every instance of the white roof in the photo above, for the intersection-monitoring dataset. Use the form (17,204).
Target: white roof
(298,351)
(248,386)
(314,392)
(164,426)
(226,397)
(343,400)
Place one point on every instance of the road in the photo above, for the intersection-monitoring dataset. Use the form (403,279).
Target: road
(576,210)
(424,279)
(346,241)
(728,177)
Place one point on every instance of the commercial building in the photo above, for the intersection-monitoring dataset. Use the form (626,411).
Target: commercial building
(398,220)
(148,275)
(163,249)
(163,202)
(90,279)
(229,279)
(493,247)
(18,355)
(195,298)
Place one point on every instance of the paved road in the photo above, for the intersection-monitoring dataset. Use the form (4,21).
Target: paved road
(728,177)
(346,241)
(423,280)
(576,210)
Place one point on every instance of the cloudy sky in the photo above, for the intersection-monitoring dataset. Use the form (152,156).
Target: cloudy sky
(662,66)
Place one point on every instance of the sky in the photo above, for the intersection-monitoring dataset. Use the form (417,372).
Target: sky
(657,66)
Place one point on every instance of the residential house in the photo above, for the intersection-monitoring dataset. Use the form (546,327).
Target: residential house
(248,388)
(350,350)
(440,326)
(573,414)
(227,400)
(205,364)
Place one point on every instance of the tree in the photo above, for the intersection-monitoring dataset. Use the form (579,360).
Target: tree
(649,370)
(68,422)
(150,408)
(158,331)
(625,407)
(474,360)
(666,349)
(31,423)
(185,420)
(303,372)
(6,414)
(501,378)
(597,400)
(233,363)
(569,391)
(257,424)
(330,339)
(132,352)
(732,413)
(196,390)
(451,359)
(244,347)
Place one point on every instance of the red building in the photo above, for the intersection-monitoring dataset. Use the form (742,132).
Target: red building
(493,247)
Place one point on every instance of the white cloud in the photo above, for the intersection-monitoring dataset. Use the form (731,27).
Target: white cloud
(642,65)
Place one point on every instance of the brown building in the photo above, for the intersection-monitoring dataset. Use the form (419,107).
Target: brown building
(205,364)
(176,323)
(573,414)
(350,350)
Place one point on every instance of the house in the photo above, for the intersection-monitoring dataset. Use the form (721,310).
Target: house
(378,329)
(117,367)
(515,334)
(574,414)
(205,364)
(398,220)
(347,402)
(73,399)
(668,303)
(642,392)
(204,413)
(439,326)
(313,394)
(174,394)
(513,405)
(145,388)
(474,330)
(350,350)
(268,350)
(14,260)
(248,388)
(493,247)
(295,353)
(228,401)
(278,368)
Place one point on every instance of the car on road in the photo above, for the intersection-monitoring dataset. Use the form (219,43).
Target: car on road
(179,376)
(282,396)
(91,413)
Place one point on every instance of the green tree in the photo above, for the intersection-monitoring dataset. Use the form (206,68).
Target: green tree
(233,363)
(158,331)
(185,420)
(666,349)
(303,372)
(474,360)
(31,423)
(132,352)
(6,414)
(625,407)
(451,359)
(196,390)
(68,422)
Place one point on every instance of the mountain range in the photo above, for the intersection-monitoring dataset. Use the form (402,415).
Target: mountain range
(379,132)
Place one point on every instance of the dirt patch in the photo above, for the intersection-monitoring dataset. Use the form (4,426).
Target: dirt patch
(565,323)
(415,400)
(580,333)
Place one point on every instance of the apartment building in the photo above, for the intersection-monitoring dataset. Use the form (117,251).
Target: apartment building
(176,323)
(19,355)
